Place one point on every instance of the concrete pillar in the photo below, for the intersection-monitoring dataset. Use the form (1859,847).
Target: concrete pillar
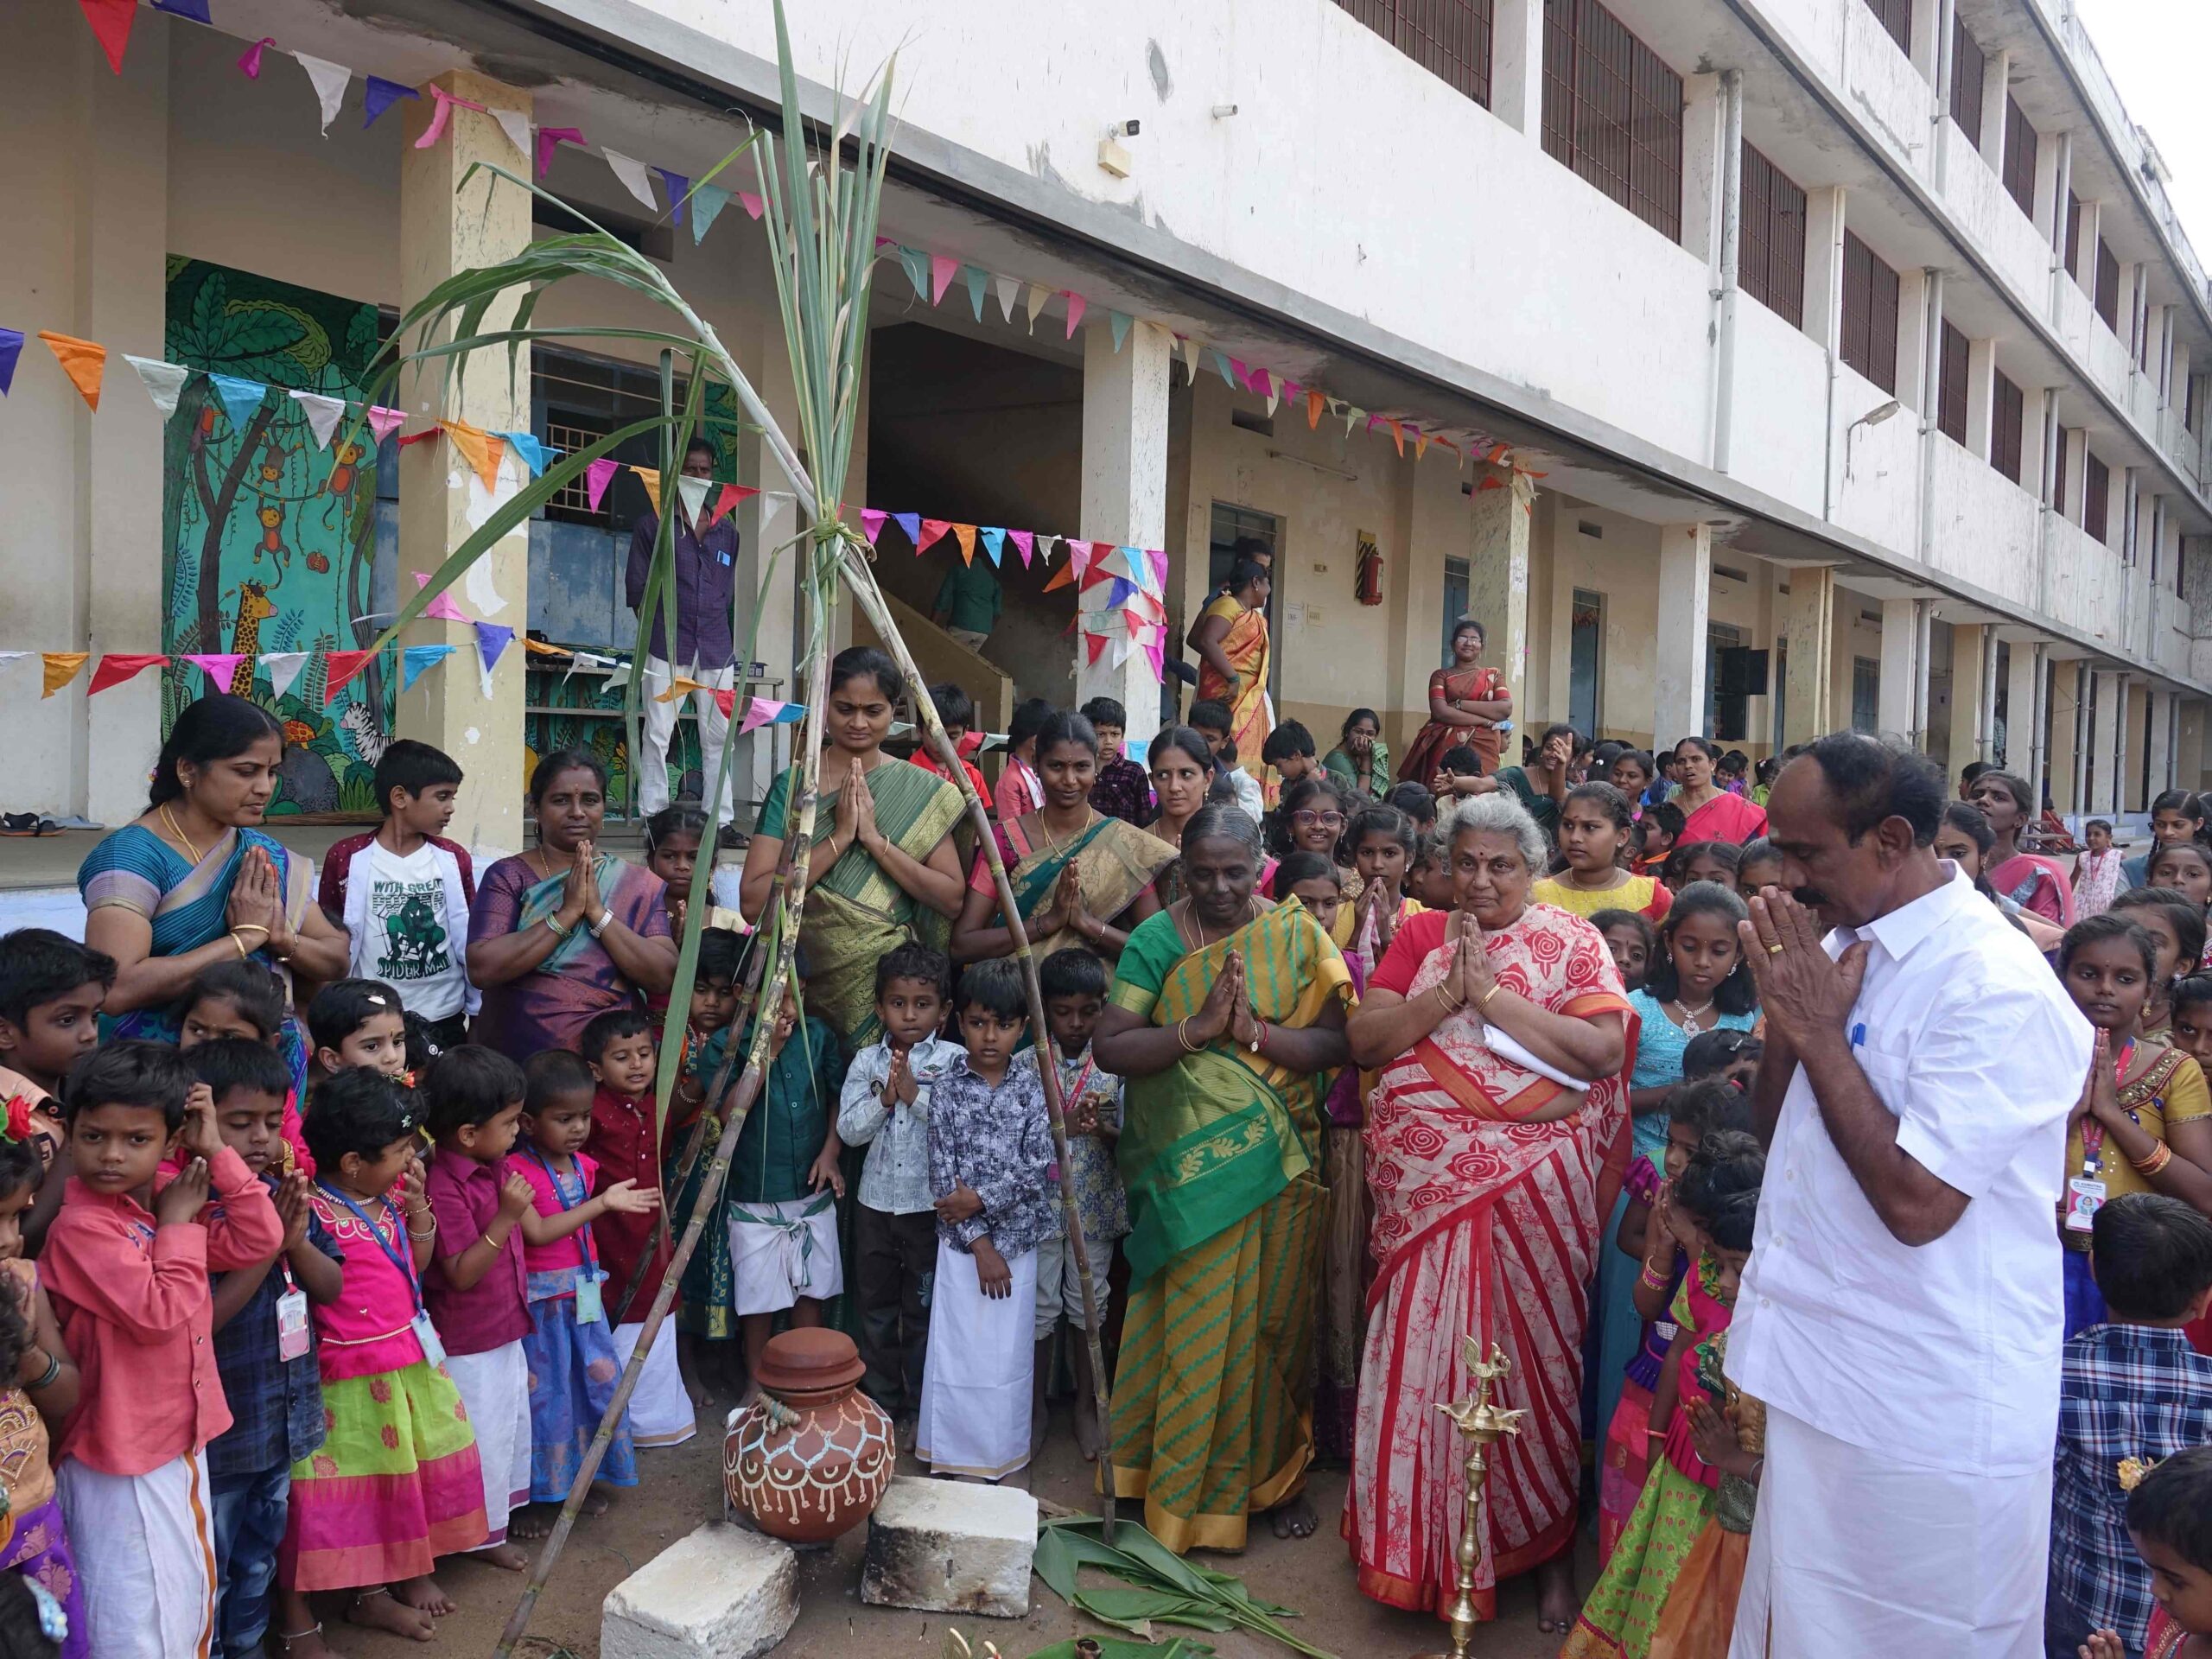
(1969,641)
(443,233)
(2038,754)
(1685,597)
(2188,744)
(2106,738)
(1996,77)
(1498,579)
(2065,699)
(1824,217)
(1804,624)
(2023,690)
(2162,743)
(1901,667)
(2085,254)
(1125,495)
(1517,66)
(1981,395)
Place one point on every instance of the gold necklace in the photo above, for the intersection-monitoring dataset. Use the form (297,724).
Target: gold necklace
(177,833)
(1052,841)
(1191,911)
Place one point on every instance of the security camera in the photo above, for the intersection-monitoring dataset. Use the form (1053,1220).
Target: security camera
(1129,128)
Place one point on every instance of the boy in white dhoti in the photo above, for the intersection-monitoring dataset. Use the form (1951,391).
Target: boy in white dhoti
(989,1152)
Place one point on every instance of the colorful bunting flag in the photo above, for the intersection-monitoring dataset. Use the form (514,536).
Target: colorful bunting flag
(282,668)
(993,541)
(766,711)
(1034,302)
(916,264)
(1008,290)
(872,523)
(692,492)
(975,276)
(943,267)
(164,382)
(480,448)
(82,360)
(250,62)
(1064,578)
(911,523)
(111,21)
(493,640)
(1119,322)
(965,534)
(61,667)
(221,667)
(516,126)
(341,667)
(192,10)
(1024,542)
(1079,556)
(1221,363)
(329,80)
(1076,304)
(378,95)
(11,347)
(446,103)
(526,444)
(932,530)
(649,477)
(384,422)
(323,414)
(442,606)
(595,479)
(679,188)
(1157,558)
(727,501)
(707,201)
(117,666)
(550,139)
(239,397)
(415,660)
(753,206)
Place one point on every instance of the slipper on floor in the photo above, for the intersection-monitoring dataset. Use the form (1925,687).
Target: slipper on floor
(27,823)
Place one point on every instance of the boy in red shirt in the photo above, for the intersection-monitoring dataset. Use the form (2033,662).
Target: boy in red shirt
(956,712)
(127,1270)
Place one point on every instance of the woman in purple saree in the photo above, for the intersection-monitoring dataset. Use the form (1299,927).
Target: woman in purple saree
(563,932)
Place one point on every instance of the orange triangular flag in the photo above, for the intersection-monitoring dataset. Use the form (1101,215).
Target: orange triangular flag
(1397,434)
(1314,400)
(965,534)
(111,21)
(480,448)
(340,667)
(61,667)
(1063,577)
(649,477)
(81,360)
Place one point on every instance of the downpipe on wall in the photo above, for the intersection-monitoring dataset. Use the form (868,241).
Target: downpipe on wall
(1731,227)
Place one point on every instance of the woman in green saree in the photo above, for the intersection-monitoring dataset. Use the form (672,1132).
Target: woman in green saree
(883,868)
(1227,1021)
(1080,878)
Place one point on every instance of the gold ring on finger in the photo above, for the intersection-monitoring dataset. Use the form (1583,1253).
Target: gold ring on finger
(1774,949)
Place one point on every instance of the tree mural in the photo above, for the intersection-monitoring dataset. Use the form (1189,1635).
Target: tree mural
(270,543)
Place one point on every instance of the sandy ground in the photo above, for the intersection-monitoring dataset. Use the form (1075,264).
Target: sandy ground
(683,1487)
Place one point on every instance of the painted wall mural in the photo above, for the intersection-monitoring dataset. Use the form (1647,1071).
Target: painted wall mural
(268,541)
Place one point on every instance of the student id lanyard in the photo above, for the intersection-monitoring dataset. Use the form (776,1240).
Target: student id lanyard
(591,1306)
(2085,1194)
(434,1350)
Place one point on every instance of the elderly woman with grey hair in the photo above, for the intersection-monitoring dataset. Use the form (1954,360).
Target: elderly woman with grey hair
(1227,1019)
(1499,1030)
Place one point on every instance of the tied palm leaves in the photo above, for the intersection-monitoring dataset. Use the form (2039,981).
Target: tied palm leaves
(1157,1585)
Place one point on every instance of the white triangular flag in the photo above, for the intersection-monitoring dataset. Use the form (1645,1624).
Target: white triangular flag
(329,80)
(1008,290)
(163,380)
(323,415)
(694,492)
(1190,357)
(1037,295)
(283,667)
(633,177)
(1046,543)
(516,126)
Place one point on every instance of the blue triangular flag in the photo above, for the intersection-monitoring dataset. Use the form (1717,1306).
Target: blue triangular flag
(241,398)
(416,659)
(1222,363)
(679,188)
(975,276)
(1118,594)
(707,201)
(11,347)
(526,444)
(915,261)
(994,539)
(909,522)
(380,95)
(1119,321)
(195,10)
(493,640)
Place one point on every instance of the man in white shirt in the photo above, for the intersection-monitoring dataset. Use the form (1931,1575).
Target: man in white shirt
(1901,1317)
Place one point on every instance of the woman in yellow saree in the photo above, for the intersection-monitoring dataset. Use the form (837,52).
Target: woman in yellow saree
(1227,1021)
(1080,877)
(883,869)
(1230,638)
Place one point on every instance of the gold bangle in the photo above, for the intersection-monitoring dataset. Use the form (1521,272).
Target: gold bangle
(1444,998)
(1183,1036)
(243,952)
(250,927)
(1483,1001)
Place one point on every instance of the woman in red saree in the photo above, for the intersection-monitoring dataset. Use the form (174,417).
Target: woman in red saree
(1465,703)
(2029,880)
(1500,1030)
(1710,812)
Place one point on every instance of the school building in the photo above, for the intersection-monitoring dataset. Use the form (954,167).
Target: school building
(1755,367)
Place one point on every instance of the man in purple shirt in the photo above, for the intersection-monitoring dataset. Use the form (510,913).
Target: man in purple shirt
(705,579)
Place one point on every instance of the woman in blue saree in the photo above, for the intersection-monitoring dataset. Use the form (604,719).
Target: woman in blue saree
(193,881)
(1080,877)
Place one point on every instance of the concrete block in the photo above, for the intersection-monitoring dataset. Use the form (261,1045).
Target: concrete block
(722,1592)
(950,1546)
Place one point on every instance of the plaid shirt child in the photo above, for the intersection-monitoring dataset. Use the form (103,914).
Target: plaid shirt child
(2126,1391)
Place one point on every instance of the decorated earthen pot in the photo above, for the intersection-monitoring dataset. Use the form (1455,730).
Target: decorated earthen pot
(811,1454)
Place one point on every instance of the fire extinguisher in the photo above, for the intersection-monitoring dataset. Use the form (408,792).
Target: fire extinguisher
(1367,587)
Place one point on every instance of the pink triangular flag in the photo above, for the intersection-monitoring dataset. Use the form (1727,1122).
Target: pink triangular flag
(1243,373)
(1157,558)
(1076,304)
(221,667)
(1026,542)
(932,528)
(1079,556)
(758,712)
(250,64)
(595,479)
(872,523)
(442,606)
(383,421)
(754,206)
(943,267)
(1156,655)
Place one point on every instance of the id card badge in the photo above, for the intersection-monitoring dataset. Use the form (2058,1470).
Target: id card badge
(433,1351)
(590,1308)
(292,1324)
(2084,1197)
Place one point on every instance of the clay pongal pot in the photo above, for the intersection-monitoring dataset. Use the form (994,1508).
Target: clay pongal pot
(811,1455)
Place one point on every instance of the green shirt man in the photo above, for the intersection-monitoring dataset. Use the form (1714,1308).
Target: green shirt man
(968,605)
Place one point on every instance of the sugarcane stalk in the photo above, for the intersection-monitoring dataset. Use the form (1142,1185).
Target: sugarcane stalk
(793,873)
(860,579)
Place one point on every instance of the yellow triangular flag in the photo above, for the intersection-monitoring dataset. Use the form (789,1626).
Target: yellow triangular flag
(681,688)
(480,448)
(61,667)
(649,477)
(82,360)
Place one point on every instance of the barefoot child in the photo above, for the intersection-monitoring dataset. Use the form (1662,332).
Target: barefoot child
(264,1345)
(397,1482)
(884,1106)
(358,1022)
(130,1287)
(570,1348)
(475,1285)
(989,1152)
(1073,983)
(42,1390)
